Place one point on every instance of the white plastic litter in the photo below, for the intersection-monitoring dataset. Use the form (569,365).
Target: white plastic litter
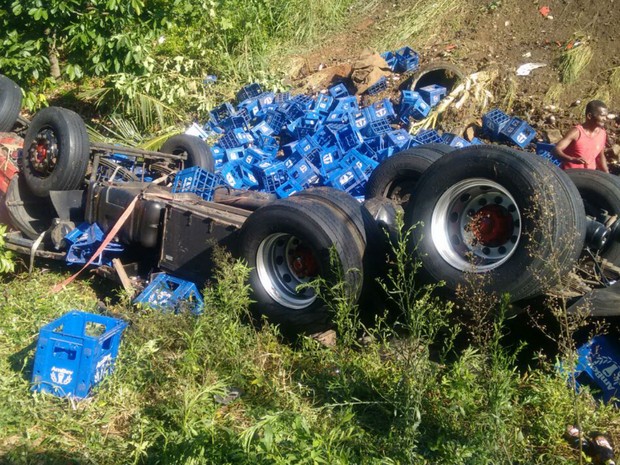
(527,68)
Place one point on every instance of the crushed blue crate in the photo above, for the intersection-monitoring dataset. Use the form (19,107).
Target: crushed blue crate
(406,60)
(198,181)
(518,132)
(249,91)
(169,293)
(432,94)
(493,122)
(84,242)
(379,86)
(75,353)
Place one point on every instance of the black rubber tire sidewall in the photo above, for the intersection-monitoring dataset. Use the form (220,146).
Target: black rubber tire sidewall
(552,234)
(198,152)
(320,227)
(440,148)
(600,190)
(403,168)
(28,213)
(73,150)
(10,103)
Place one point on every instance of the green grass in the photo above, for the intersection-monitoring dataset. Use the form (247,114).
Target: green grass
(405,396)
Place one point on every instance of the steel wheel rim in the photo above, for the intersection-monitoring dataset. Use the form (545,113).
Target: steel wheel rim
(476,225)
(43,152)
(284,262)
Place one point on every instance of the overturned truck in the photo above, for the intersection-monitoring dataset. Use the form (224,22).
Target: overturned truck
(489,211)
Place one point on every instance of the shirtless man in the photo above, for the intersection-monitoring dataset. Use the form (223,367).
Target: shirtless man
(584,145)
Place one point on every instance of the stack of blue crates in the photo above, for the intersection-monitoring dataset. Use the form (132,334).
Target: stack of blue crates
(75,353)
(169,293)
(282,144)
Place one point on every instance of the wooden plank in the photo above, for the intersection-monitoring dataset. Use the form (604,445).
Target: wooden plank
(122,275)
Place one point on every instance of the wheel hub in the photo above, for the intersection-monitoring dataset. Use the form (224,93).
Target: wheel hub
(283,262)
(43,152)
(476,225)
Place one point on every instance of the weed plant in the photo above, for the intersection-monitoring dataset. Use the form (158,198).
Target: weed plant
(214,389)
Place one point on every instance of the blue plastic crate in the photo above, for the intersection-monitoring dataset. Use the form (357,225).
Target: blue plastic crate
(329,160)
(304,101)
(249,91)
(406,60)
(265,99)
(378,87)
(338,90)
(428,136)
(454,141)
(411,105)
(84,241)
(383,109)
(518,132)
(324,136)
(347,138)
(324,104)
(378,127)
(237,175)
(545,150)
(599,363)
(275,119)
(249,107)
(225,110)
(493,122)
(281,97)
(304,173)
(198,181)
(432,94)
(169,293)
(75,353)
(288,188)
(237,137)
(390,59)
(399,138)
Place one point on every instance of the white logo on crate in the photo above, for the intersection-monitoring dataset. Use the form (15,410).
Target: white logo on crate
(360,123)
(327,159)
(605,374)
(103,367)
(61,376)
(381,112)
(521,138)
(345,178)
(230,179)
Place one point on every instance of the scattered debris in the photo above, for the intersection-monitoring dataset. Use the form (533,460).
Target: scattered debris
(527,68)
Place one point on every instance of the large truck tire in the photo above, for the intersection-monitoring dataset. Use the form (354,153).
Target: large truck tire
(28,213)
(396,177)
(287,243)
(600,193)
(500,213)
(56,151)
(10,103)
(198,152)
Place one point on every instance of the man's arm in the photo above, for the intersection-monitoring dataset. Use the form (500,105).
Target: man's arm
(558,151)
(601,162)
